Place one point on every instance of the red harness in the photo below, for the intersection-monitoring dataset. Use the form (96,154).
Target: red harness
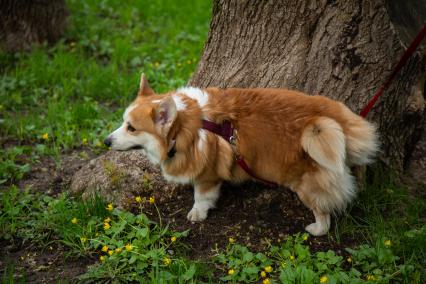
(227,131)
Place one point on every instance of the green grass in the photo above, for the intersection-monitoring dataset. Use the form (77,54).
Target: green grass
(75,90)
(384,211)
(71,95)
(130,247)
(292,262)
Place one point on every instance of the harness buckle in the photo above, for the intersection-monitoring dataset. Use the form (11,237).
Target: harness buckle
(233,138)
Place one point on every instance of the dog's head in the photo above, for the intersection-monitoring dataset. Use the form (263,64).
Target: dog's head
(146,124)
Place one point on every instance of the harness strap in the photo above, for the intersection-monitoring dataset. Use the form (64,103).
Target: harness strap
(226,131)
(246,168)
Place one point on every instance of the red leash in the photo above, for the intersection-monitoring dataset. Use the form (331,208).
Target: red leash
(227,132)
(407,54)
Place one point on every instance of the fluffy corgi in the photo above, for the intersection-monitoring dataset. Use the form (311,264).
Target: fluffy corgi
(305,143)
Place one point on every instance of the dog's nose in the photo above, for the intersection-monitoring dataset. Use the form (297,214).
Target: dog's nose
(108,142)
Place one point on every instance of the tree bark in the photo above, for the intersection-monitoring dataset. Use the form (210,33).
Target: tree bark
(23,22)
(343,49)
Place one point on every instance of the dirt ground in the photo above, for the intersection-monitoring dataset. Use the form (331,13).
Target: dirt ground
(254,214)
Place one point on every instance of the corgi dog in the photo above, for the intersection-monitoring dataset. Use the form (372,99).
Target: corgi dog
(306,143)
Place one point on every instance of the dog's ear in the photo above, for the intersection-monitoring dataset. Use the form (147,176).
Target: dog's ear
(164,115)
(144,88)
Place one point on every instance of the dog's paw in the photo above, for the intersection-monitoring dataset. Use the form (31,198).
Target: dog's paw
(316,229)
(197,215)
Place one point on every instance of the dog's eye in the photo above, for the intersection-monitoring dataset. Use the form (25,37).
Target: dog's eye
(130,128)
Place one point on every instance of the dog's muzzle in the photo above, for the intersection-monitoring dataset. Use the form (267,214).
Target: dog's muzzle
(108,143)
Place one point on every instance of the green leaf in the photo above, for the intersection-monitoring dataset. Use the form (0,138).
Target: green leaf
(251,270)
(132,259)
(248,256)
(142,232)
(189,274)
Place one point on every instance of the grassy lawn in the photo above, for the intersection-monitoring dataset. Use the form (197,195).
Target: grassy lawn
(55,100)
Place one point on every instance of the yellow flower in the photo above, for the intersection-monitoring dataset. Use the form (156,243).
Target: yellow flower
(156,64)
(128,247)
(173,239)
(105,248)
(167,261)
(371,277)
(283,264)
(291,257)
(109,207)
(151,200)
(118,250)
(107,226)
(74,220)
(305,237)
(84,141)
(138,199)
(231,240)
(45,136)
(231,271)
(349,259)
(83,239)
(110,252)
(388,243)
(266,281)
(102,258)
(268,269)
(263,274)
(107,220)
(323,279)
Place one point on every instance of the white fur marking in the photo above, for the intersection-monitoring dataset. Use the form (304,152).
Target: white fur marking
(180,105)
(197,94)
(122,140)
(176,179)
(321,225)
(127,111)
(203,202)
(202,139)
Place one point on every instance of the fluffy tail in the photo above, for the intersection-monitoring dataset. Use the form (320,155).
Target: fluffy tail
(362,142)
(324,141)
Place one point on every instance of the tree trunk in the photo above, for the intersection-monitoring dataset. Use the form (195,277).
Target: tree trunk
(23,22)
(343,49)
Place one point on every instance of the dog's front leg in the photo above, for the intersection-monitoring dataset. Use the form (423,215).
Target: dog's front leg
(205,197)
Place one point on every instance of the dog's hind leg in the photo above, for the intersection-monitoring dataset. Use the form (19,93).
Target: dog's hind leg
(325,192)
(205,197)
(322,219)
(321,225)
